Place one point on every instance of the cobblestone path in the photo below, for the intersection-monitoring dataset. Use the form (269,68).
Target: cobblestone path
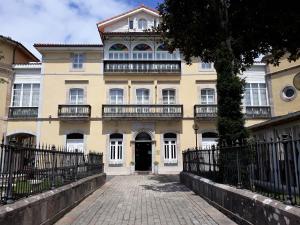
(144,200)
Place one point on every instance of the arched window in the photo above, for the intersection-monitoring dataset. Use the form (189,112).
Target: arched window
(143,136)
(76,96)
(75,141)
(170,148)
(207,96)
(162,53)
(118,51)
(209,139)
(142,24)
(116,148)
(142,52)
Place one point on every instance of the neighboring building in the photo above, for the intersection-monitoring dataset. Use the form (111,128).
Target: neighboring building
(11,52)
(128,98)
(284,96)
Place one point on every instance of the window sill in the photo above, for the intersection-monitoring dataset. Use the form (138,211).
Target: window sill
(77,70)
(115,164)
(171,163)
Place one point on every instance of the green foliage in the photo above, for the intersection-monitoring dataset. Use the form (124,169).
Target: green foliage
(232,34)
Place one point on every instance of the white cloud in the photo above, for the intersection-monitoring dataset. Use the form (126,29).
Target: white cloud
(56,21)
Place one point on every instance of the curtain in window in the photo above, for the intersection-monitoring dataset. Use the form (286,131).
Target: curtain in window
(76,96)
(116,96)
(17,95)
(26,95)
(255,94)
(142,96)
(207,96)
(168,96)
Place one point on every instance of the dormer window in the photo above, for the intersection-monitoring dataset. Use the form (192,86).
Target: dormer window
(142,24)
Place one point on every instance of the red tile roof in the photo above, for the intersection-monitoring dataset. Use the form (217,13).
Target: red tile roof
(65,45)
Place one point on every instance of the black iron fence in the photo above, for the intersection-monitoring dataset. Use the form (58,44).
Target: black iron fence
(271,168)
(23,112)
(27,170)
(74,111)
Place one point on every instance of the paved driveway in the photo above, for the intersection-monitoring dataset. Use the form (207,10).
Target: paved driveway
(141,200)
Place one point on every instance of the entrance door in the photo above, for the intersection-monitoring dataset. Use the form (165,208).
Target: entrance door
(143,156)
(143,152)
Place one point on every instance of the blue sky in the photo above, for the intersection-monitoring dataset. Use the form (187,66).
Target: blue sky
(59,21)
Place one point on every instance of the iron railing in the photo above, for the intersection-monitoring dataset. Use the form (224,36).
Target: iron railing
(258,112)
(271,168)
(28,170)
(142,111)
(134,66)
(74,111)
(23,112)
(205,111)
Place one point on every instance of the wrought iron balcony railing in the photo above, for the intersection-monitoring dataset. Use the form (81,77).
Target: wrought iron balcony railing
(118,66)
(258,112)
(205,112)
(74,111)
(142,111)
(23,112)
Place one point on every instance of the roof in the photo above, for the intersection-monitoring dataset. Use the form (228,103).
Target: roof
(35,65)
(21,46)
(290,117)
(55,45)
(130,11)
(102,24)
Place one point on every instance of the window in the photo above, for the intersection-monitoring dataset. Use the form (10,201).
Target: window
(209,139)
(130,24)
(288,93)
(116,148)
(206,66)
(142,96)
(118,51)
(26,95)
(142,51)
(76,96)
(168,96)
(142,24)
(75,141)
(116,96)
(163,54)
(207,96)
(256,94)
(77,60)
(170,151)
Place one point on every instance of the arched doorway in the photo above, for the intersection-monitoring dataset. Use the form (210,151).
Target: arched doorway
(22,139)
(143,152)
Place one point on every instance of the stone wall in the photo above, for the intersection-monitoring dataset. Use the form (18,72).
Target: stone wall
(243,206)
(47,207)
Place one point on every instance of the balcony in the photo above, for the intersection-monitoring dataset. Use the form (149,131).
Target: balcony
(151,67)
(258,112)
(205,112)
(23,112)
(74,112)
(159,112)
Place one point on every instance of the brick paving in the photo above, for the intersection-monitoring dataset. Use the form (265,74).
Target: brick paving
(144,200)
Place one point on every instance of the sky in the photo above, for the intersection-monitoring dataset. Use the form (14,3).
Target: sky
(59,21)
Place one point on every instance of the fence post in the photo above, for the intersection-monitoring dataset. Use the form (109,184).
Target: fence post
(287,169)
(9,199)
(76,164)
(239,183)
(214,160)
(53,168)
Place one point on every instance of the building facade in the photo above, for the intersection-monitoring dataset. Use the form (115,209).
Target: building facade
(128,98)
(11,52)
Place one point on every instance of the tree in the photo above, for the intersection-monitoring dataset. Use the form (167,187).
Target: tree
(231,34)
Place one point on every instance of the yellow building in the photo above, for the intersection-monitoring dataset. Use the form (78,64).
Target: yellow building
(284,96)
(128,98)
(11,52)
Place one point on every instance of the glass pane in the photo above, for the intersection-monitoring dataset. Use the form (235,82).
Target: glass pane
(255,96)
(26,94)
(247,97)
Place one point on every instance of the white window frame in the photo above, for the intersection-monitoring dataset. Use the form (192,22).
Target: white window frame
(203,66)
(207,96)
(116,96)
(116,155)
(259,89)
(77,96)
(144,90)
(170,150)
(22,93)
(78,58)
(168,96)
